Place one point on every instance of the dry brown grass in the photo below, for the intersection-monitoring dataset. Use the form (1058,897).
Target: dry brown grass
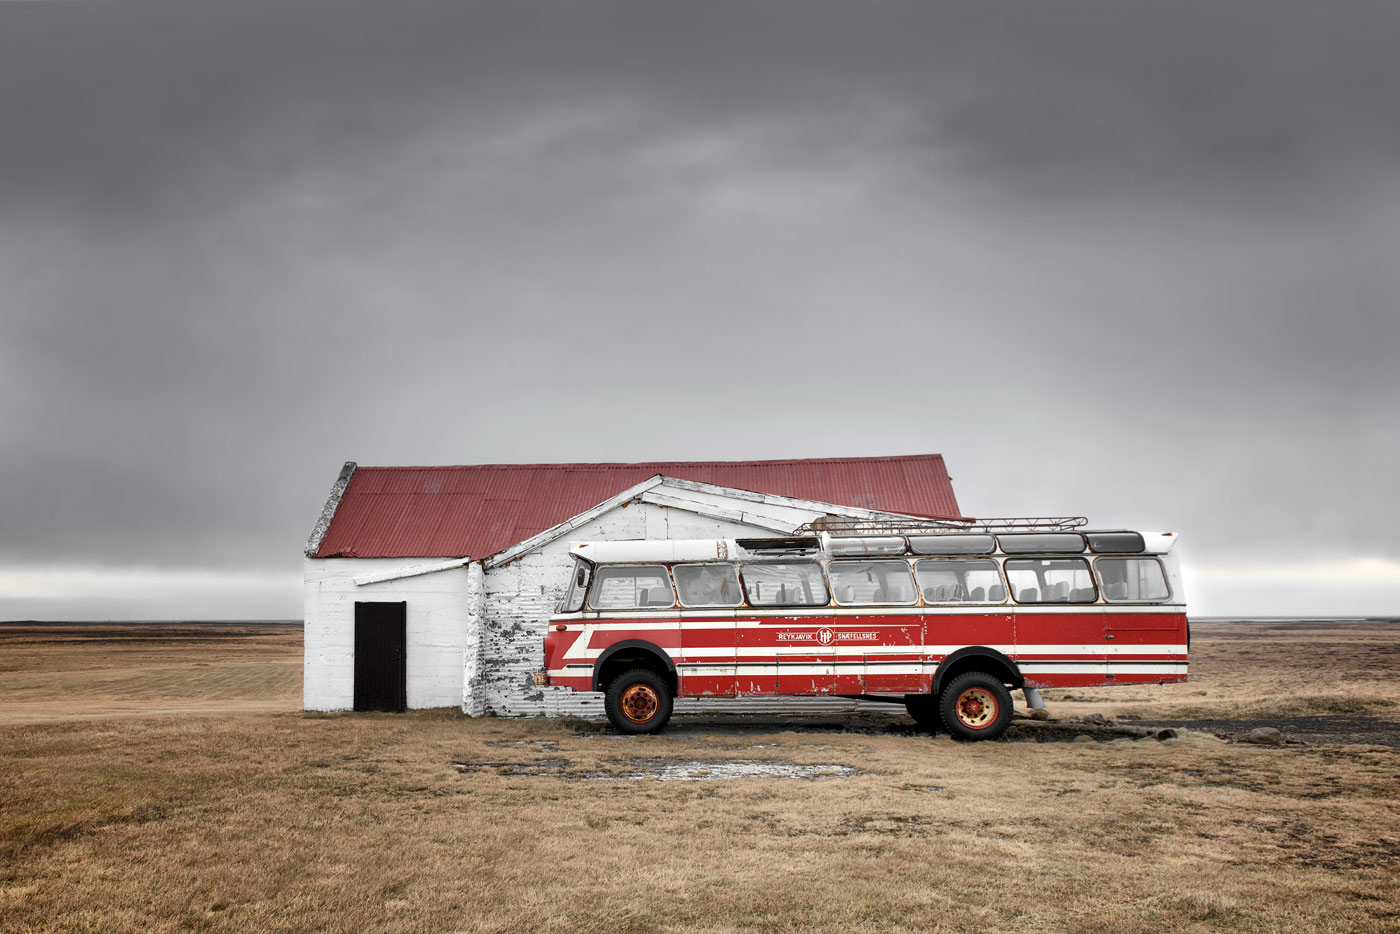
(1267,670)
(254,821)
(94,668)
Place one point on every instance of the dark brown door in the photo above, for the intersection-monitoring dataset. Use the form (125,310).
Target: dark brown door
(381,656)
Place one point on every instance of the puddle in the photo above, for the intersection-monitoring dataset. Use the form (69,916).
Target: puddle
(694,770)
(666,770)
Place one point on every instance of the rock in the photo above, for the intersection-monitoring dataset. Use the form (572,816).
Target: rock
(1083,738)
(1037,714)
(1264,736)
(1198,738)
(1168,733)
(1095,718)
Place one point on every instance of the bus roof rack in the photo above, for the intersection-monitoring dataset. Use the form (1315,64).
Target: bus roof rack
(840,526)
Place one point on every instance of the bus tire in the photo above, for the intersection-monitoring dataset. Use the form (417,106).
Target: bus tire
(638,701)
(974,706)
(923,708)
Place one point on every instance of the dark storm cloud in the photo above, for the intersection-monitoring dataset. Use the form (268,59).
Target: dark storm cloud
(105,101)
(242,242)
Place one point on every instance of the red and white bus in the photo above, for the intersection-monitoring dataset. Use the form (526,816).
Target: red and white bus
(946,618)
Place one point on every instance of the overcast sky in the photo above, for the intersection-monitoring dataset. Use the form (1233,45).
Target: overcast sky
(1132,261)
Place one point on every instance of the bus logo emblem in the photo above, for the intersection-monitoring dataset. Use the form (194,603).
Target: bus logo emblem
(826,636)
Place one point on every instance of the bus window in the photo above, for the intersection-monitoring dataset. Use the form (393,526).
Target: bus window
(627,587)
(861,583)
(870,545)
(966,581)
(1050,580)
(708,584)
(796,583)
(953,544)
(1123,543)
(1021,543)
(1132,580)
(572,600)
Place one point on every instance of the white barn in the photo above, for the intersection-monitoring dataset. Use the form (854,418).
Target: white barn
(433,586)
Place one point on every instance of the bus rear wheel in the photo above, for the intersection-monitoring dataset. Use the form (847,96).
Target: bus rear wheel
(638,701)
(974,706)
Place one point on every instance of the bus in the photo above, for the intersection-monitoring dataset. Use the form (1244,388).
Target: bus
(947,618)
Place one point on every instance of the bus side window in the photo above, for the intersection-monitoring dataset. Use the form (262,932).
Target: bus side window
(1132,580)
(796,583)
(960,580)
(708,584)
(627,587)
(861,583)
(1050,580)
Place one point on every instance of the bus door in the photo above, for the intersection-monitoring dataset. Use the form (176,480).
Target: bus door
(1134,640)
(1138,636)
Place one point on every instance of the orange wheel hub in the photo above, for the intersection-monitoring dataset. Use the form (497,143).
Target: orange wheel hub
(640,703)
(977,708)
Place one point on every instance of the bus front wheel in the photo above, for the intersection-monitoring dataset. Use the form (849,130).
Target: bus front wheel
(638,701)
(975,705)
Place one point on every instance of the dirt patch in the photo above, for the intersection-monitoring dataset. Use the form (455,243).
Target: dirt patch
(551,766)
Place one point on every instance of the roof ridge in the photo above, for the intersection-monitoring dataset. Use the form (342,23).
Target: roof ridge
(394,512)
(588,464)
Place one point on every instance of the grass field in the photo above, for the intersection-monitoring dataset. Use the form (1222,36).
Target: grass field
(164,779)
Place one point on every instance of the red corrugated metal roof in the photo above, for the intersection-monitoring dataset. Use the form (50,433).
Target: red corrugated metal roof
(394,512)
